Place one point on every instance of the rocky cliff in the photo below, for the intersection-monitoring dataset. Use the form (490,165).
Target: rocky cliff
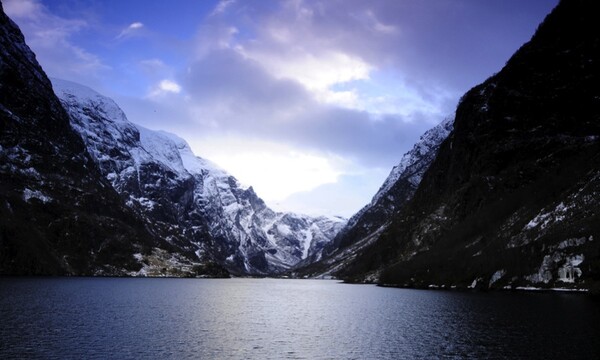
(57,213)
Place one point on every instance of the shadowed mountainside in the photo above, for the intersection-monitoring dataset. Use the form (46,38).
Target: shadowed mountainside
(512,198)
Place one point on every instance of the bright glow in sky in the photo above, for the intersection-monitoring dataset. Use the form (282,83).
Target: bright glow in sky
(289,171)
(310,102)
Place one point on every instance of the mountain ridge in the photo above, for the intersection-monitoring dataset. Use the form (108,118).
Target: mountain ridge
(158,174)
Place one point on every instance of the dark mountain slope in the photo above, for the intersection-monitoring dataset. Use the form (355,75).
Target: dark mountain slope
(57,215)
(512,198)
(373,219)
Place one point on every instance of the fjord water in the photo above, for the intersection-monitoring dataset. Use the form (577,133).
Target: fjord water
(285,319)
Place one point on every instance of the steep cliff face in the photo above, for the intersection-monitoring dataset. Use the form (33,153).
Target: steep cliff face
(375,218)
(57,214)
(398,188)
(512,197)
(189,201)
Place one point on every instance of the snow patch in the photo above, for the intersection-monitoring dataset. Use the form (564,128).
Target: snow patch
(567,272)
(543,219)
(307,236)
(29,194)
(283,229)
(496,276)
(473,284)
(544,274)
(570,270)
(575,242)
(147,203)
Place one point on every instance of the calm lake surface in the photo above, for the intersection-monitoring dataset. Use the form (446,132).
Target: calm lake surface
(100,318)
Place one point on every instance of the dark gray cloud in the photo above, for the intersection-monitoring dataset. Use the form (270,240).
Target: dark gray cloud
(224,76)
(454,42)
(462,42)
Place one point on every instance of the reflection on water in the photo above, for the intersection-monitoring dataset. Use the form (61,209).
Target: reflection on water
(285,319)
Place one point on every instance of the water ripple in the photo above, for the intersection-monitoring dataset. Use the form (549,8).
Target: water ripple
(107,318)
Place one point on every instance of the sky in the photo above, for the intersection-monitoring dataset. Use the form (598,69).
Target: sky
(310,102)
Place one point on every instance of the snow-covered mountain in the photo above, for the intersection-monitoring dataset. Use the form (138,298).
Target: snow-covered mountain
(191,202)
(374,218)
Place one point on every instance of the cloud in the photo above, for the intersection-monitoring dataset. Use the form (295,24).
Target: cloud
(131,30)
(229,93)
(371,20)
(23,8)
(163,88)
(289,74)
(354,78)
(169,86)
(49,36)
(226,77)
(222,7)
(154,67)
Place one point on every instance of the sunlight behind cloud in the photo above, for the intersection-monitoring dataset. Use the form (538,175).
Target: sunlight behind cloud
(170,86)
(165,87)
(275,171)
(317,72)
